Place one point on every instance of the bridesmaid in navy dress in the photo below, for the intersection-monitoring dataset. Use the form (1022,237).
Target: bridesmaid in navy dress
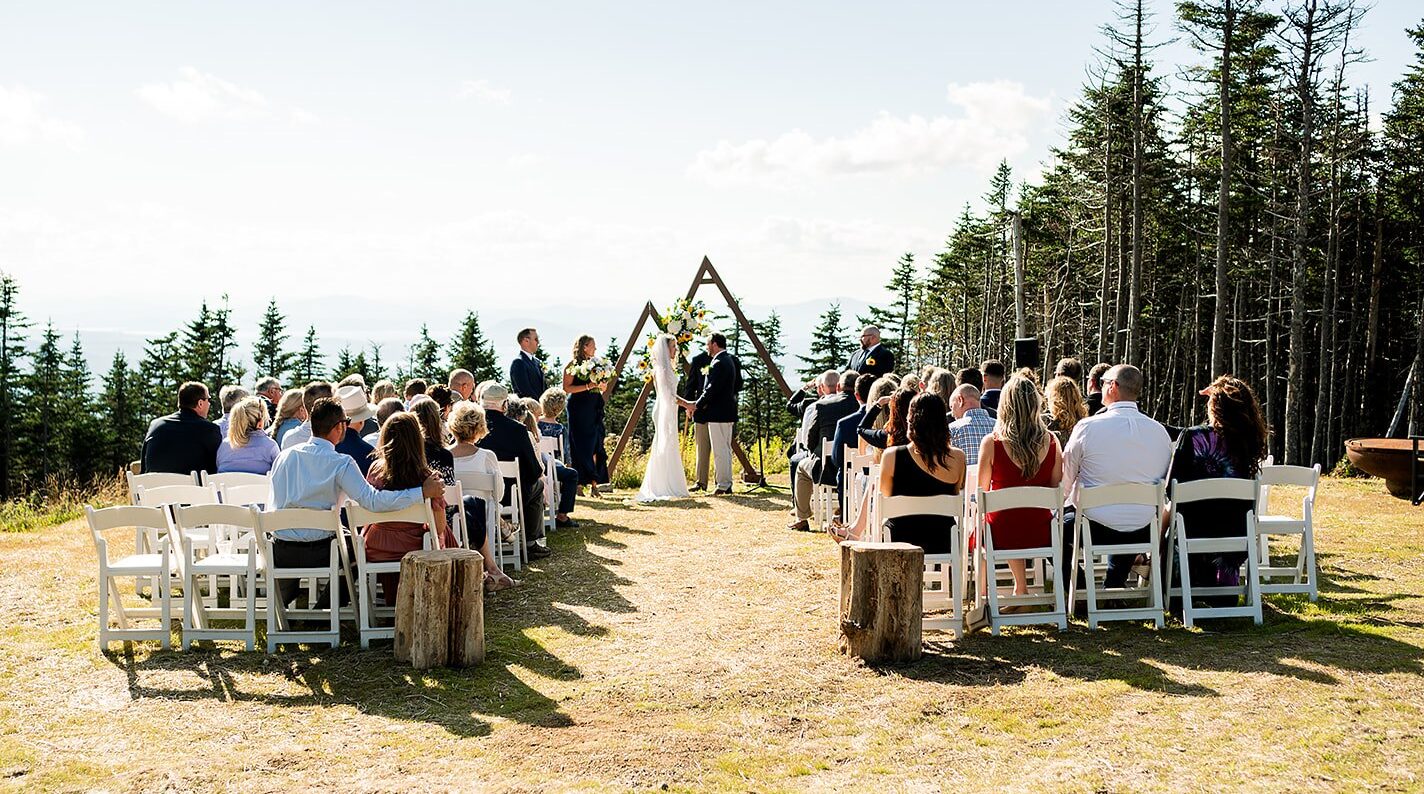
(586,430)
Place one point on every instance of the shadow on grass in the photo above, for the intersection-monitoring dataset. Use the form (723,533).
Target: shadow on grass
(373,682)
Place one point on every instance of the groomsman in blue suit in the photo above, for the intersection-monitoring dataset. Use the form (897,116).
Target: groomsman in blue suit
(526,373)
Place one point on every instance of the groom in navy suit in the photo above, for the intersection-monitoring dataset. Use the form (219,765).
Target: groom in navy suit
(525,372)
(717,407)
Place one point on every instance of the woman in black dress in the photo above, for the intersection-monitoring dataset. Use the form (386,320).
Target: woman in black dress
(586,430)
(927,466)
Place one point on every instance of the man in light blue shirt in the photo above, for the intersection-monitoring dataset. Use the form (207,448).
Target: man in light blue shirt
(314,475)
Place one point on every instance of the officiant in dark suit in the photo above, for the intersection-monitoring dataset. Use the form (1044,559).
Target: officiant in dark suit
(873,359)
(692,389)
(526,373)
(716,408)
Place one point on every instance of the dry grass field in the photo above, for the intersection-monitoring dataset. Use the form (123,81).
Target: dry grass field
(692,647)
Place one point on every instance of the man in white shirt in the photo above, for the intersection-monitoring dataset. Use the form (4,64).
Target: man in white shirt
(1118,445)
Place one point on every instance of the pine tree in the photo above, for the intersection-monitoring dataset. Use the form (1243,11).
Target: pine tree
(375,369)
(897,321)
(345,364)
(830,345)
(160,373)
(309,364)
(12,352)
(472,351)
(121,407)
(270,357)
(84,435)
(44,425)
(197,347)
(425,358)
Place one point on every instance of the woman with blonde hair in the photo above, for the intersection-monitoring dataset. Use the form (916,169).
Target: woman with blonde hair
(291,412)
(383,390)
(468,425)
(246,448)
(1020,452)
(1066,407)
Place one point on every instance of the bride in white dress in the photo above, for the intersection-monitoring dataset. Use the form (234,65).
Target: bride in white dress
(665,477)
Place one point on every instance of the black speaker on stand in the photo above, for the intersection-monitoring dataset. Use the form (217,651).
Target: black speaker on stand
(1026,353)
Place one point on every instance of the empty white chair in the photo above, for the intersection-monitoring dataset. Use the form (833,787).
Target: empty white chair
(1050,499)
(1180,544)
(233,559)
(155,566)
(944,573)
(278,615)
(513,513)
(1301,577)
(231,478)
(1145,494)
(156,480)
(368,610)
(167,497)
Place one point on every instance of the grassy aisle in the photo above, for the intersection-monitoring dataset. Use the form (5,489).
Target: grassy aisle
(693,646)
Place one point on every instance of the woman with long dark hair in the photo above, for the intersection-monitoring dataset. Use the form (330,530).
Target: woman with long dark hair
(925,466)
(1232,443)
(586,430)
(400,461)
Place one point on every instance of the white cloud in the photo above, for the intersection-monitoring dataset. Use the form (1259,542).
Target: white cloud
(993,124)
(483,91)
(24,121)
(524,160)
(197,97)
(303,118)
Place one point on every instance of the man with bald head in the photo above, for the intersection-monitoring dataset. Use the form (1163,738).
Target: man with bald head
(462,382)
(872,359)
(969,422)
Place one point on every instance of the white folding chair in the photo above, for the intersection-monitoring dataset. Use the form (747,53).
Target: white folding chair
(490,488)
(514,513)
(168,497)
(1180,545)
(278,615)
(234,559)
(455,497)
(1142,494)
(546,452)
(849,455)
(232,478)
(156,480)
(155,566)
(872,504)
(1050,499)
(944,573)
(246,495)
(367,610)
(1301,577)
(824,496)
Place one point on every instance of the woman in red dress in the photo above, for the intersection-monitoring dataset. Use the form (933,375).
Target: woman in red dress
(400,460)
(1021,451)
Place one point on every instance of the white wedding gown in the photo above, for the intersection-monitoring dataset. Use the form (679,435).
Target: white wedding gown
(664,478)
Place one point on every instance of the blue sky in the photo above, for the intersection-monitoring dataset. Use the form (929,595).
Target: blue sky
(438,157)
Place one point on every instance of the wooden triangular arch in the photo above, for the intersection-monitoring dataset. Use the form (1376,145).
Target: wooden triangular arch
(706,274)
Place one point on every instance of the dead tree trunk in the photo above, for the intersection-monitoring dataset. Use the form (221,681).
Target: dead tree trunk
(440,616)
(881,601)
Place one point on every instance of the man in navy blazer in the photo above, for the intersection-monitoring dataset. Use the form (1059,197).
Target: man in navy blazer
(526,374)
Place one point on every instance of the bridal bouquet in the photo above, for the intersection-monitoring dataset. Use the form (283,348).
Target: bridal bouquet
(597,371)
(687,322)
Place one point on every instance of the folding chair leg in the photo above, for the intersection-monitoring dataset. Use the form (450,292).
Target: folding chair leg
(1186,574)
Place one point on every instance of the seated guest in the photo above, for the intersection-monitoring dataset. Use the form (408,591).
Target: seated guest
(821,419)
(353,402)
(228,396)
(461,384)
(1070,368)
(400,464)
(291,413)
(993,382)
(369,427)
(270,390)
(801,399)
(1095,388)
(467,425)
(1232,443)
(847,437)
(183,442)
(353,379)
(316,390)
(385,409)
(382,391)
(972,376)
(443,397)
(1065,407)
(246,448)
(911,381)
(971,422)
(509,441)
(926,376)
(799,451)
(314,475)
(927,466)
(414,388)
(941,384)
(567,477)
(1118,445)
(428,412)
(551,406)
(896,428)
(1020,452)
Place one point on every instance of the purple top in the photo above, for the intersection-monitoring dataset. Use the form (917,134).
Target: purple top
(256,457)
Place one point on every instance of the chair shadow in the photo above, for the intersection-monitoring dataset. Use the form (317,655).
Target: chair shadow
(462,701)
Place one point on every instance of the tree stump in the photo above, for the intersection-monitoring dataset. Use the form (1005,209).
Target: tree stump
(881,598)
(440,609)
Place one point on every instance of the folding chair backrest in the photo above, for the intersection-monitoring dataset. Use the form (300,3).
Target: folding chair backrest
(245,494)
(549,445)
(177,495)
(1214,488)
(125,516)
(298,518)
(828,448)
(455,497)
(235,478)
(1123,493)
(509,469)
(157,479)
(358,516)
(943,505)
(1291,475)
(485,485)
(971,479)
(199,516)
(1022,496)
